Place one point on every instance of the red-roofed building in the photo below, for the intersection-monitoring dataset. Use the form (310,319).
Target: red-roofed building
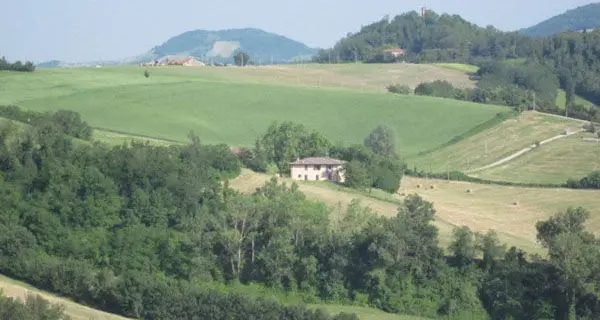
(396,52)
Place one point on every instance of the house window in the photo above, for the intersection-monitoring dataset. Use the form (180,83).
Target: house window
(318,167)
(317,177)
(329,167)
(305,177)
(299,176)
(305,167)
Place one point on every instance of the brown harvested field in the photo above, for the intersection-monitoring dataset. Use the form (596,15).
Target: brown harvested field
(358,76)
(496,143)
(486,207)
(76,311)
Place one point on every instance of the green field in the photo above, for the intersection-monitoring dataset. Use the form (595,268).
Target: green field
(561,100)
(495,143)
(554,162)
(174,101)
(467,68)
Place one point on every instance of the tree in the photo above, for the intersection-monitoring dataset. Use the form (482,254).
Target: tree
(382,140)
(146,74)
(356,175)
(241,59)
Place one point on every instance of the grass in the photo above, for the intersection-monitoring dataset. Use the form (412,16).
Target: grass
(554,162)
(466,68)
(175,101)
(363,313)
(494,143)
(13,288)
(561,100)
(487,207)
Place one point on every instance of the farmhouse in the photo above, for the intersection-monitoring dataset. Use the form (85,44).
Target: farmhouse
(396,52)
(318,168)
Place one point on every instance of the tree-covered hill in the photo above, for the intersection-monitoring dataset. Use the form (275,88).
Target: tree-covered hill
(221,45)
(581,18)
(428,38)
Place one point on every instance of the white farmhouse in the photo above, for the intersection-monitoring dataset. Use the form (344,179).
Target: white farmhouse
(318,168)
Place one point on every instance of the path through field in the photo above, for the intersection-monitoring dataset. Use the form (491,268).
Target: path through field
(521,152)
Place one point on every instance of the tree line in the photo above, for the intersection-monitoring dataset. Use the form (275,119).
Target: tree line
(28,66)
(155,232)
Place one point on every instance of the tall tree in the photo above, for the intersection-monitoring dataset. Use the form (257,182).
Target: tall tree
(382,140)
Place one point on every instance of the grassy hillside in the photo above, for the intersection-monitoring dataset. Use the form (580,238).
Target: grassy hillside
(174,101)
(17,289)
(555,162)
(561,100)
(495,143)
(486,207)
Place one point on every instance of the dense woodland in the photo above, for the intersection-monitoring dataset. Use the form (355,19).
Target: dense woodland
(155,232)
(16,66)
(513,64)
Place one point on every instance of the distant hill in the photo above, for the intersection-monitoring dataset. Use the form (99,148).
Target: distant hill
(578,19)
(221,45)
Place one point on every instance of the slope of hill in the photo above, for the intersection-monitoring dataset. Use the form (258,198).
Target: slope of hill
(220,45)
(174,101)
(581,18)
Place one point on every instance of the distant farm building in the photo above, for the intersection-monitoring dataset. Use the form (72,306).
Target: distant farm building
(395,52)
(189,62)
(318,169)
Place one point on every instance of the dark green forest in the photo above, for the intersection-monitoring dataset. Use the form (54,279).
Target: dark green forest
(155,232)
(568,60)
(28,66)
(578,19)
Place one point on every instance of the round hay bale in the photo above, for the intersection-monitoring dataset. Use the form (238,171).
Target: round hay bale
(432,186)
(469,190)
(419,185)
(515,203)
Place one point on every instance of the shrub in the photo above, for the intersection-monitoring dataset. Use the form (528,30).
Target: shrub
(146,74)
(399,89)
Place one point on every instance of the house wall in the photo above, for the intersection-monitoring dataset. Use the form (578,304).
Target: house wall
(298,172)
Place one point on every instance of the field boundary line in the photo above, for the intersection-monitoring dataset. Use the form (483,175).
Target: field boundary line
(522,151)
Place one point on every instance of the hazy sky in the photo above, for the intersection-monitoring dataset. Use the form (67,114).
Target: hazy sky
(82,30)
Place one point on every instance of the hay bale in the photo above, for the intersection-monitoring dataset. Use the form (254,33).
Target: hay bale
(469,190)
(515,203)
(432,186)
(419,185)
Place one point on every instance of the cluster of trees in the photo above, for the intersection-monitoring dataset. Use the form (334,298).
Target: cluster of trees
(373,164)
(33,308)
(155,232)
(28,66)
(241,59)
(67,122)
(591,181)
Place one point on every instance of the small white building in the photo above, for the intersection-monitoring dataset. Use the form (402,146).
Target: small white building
(318,169)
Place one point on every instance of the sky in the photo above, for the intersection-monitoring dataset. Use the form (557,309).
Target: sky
(87,30)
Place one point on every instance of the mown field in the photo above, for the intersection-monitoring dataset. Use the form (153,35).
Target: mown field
(485,207)
(555,162)
(174,101)
(17,289)
(495,143)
